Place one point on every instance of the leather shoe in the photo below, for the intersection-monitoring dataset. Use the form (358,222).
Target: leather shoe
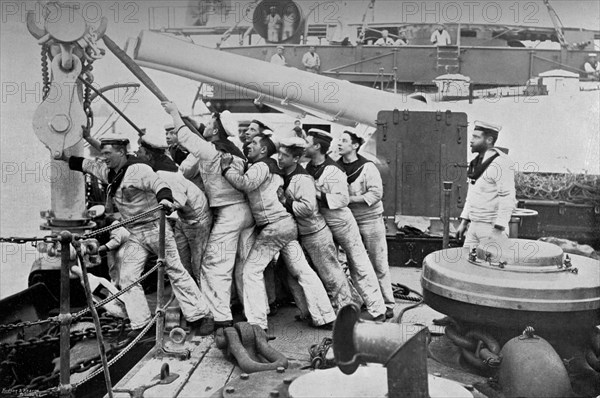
(380,318)
(389,313)
(223,324)
(202,327)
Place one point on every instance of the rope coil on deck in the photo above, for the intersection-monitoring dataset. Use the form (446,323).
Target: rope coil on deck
(576,188)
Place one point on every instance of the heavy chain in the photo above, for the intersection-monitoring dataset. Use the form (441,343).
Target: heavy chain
(28,324)
(122,223)
(87,94)
(45,72)
(78,315)
(121,353)
(114,328)
(75,335)
(478,348)
(22,241)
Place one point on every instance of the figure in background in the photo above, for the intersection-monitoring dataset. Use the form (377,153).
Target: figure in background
(440,36)
(385,39)
(274,23)
(278,58)
(290,17)
(491,195)
(311,60)
(366,190)
(402,40)
(592,67)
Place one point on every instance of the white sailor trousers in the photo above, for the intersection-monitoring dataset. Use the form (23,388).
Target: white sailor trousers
(144,239)
(479,231)
(191,242)
(323,253)
(362,272)
(219,257)
(114,258)
(269,241)
(306,287)
(372,231)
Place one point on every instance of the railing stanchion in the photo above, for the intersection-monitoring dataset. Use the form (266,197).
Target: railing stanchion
(65,315)
(160,288)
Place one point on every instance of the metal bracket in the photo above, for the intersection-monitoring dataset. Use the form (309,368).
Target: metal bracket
(448,117)
(165,377)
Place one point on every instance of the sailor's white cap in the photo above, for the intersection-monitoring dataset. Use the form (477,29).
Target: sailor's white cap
(293,142)
(280,47)
(154,140)
(96,211)
(487,127)
(169,126)
(320,134)
(114,139)
(592,55)
(229,123)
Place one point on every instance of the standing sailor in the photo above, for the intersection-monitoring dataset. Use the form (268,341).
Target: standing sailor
(491,195)
(278,58)
(194,220)
(300,198)
(311,60)
(276,227)
(333,198)
(231,213)
(135,188)
(440,36)
(366,190)
(274,24)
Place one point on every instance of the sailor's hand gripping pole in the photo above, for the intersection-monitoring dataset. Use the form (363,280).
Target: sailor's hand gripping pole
(70,41)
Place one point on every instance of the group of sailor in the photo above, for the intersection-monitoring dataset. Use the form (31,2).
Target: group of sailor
(238,209)
(242,207)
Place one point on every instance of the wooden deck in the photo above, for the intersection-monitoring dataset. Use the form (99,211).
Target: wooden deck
(208,369)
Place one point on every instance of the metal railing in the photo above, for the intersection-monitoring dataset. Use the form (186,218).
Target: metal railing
(86,246)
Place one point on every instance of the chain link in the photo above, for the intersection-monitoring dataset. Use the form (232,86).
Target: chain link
(122,352)
(78,315)
(28,324)
(122,223)
(113,327)
(22,241)
(87,94)
(45,72)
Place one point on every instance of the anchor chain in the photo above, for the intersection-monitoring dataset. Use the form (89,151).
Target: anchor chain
(39,384)
(22,241)
(109,228)
(45,72)
(87,94)
(479,349)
